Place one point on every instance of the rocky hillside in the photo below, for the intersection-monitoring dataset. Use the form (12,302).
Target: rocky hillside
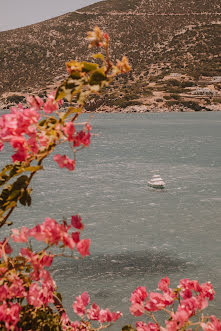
(173,46)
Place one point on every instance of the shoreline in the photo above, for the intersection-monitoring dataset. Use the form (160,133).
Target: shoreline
(139,109)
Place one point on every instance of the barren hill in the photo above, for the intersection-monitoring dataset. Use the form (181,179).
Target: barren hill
(160,38)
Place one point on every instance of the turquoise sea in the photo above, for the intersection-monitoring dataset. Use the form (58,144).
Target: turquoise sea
(139,234)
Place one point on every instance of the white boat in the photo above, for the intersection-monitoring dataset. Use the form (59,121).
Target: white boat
(156,182)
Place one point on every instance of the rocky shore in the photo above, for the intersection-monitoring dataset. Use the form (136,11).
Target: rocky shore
(138,108)
(154,109)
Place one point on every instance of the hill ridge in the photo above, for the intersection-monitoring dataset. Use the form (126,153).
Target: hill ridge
(159,37)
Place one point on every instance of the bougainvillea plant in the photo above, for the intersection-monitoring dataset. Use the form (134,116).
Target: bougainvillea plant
(29,298)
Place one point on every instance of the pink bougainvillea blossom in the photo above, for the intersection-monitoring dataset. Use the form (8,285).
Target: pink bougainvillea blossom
(79,306)
(20,236)
(76,222)
(76,237)
(83,247)
(64,162)
(52,233)
(105,316)
(35,102)
(51,105)
(213,325)
(163,285)
(94,312)
(141,326)
(139,295)
(82,138)
(41,293)
(69,130)
(9,314)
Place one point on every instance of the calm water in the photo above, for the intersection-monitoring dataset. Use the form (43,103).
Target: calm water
(139,235)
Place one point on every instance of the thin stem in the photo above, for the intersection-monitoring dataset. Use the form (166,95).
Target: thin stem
(108,61)
(153,318)
(103,327)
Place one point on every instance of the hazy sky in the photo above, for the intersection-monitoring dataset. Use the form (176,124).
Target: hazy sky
(17,13)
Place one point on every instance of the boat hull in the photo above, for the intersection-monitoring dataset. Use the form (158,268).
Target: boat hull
(158,186)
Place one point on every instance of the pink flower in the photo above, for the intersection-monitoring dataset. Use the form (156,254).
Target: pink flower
(157,301)
(105,316)
(16,289)
(139,295)
(46,260)
(116,316)
(85,298)
(41,295)
(68,241)
(34,297)
(69,130)
(80,304)
(207,290)
(35,102)
(20,236)
(190,285)
(213,325)
(180,318)
(9,314)
(137,300)
(49,231)
(32,144)
(163,285)
(19,143)
(141,326)
(64,162)
(82,138)
(50,105)
(76,222)
(76,237)
(137,309)
(94,312)
(83,247)
(52,232)
(20,156)
(4,292)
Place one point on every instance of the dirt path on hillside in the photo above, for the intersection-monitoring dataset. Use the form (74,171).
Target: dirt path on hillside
(150,14)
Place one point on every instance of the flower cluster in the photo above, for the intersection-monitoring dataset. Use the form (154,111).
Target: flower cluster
(191,297)
(39,287)
(53,233)
(26,134)
(94,313)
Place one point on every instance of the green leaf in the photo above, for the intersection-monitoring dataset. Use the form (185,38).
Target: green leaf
(3,174)
(14,195)
(6,168)
(31,169)
(88,66)
(128,328)
(25,199)
(97,77)
(71,110)
(21,182)
(75,75)
(98,56)
(42,123)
